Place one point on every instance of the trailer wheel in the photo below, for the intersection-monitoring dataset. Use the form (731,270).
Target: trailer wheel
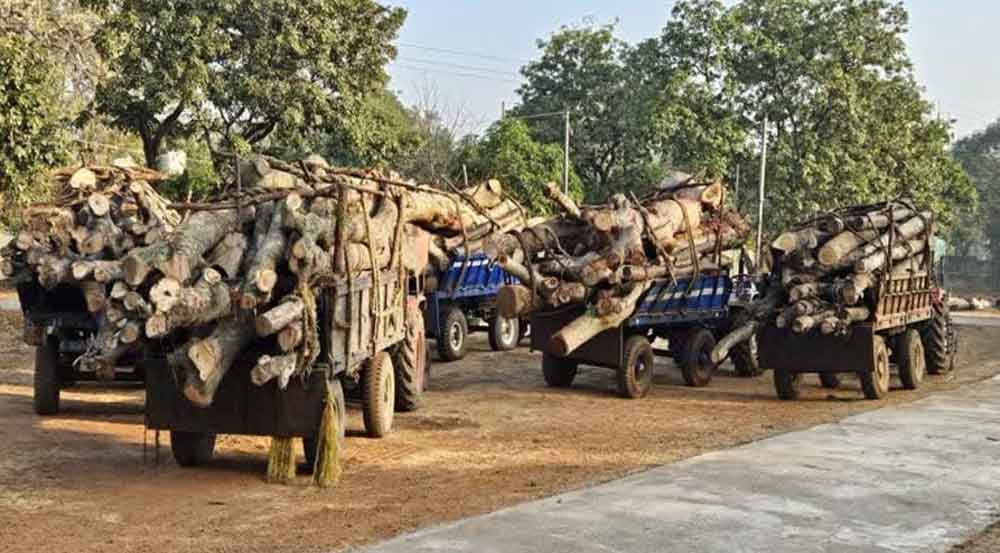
(787,384)
(310,443)
(635,376)
(524,327)
(378,395)
(696,358)
(559,372)
(452,334)
(939,340)
(875,383)
(504,333)
(911,359)
(47,382)
(191,449)
(410,361)
(830,381)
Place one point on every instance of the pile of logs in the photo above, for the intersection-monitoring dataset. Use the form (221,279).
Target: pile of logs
(607,256)
(238,273)
(826,268)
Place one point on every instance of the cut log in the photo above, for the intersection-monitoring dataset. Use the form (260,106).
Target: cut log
(213,357)
(94,295)
(562,200)
(119,290)
(83,179)
(99,204)
(140,262)
(879,220)
(261,276)
(277,318)
(516,301)
(290,337)
(722,348)
(807,238)
(165,294)
(228,254)
(900,251)
(195,237)
(199,304)
(831,254)
(268,368)
(585,327)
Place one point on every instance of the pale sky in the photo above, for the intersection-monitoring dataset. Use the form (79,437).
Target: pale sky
(470,50)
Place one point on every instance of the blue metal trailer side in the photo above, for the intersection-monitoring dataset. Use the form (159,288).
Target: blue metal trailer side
(465,290)
(689,313)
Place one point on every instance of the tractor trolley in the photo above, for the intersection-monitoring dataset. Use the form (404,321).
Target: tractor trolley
(464,292)
(690,313)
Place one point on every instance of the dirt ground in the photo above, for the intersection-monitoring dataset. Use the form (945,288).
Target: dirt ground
(490,435)
(986,542)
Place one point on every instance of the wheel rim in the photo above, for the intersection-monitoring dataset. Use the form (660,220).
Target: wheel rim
(881,375)
(640,369)
(917,358)
(455,336)
(507,333)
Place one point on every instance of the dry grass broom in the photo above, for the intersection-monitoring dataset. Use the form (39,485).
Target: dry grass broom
(326,471)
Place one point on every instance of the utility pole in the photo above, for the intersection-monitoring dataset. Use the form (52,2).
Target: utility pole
(566,158)
(760,193)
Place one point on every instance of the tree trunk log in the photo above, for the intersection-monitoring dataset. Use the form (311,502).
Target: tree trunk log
(213,356)
(277,318)
(585,327)
(268,368)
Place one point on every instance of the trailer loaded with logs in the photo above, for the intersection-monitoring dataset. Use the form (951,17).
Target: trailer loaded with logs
(853,291)
(247,314)
(599,283)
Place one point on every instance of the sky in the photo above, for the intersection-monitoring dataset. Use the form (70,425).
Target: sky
(466,53)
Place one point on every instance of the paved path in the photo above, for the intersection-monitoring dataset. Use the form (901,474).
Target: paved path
(917,477)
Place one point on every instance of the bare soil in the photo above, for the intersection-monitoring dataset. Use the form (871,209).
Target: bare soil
(490,435)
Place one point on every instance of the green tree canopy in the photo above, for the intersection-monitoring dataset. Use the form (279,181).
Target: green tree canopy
(848,121)
(32,127)
(508,153)
(237,70)
(595,76)
(979,155)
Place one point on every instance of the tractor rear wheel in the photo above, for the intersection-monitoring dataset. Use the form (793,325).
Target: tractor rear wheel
(410,360)
(939,340)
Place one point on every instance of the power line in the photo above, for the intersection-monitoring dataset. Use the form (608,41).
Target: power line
(461,53)
(458,66)
(456,73)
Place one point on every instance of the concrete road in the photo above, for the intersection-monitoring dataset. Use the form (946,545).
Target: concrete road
(975,320)
(918,477)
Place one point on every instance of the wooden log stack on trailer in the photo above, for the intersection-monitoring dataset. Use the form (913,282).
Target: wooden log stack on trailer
(306,277)
(853,291)
(598,262)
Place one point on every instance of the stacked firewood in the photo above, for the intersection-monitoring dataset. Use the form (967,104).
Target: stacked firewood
(239,273)
(826,268)
(607,256)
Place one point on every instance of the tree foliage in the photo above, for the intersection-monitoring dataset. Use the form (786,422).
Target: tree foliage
(979,155)
(237,70)
(508,152)
(591,73)
(32,128)
(848,121)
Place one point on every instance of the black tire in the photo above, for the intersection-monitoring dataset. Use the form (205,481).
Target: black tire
(504,333)
(875,383)
(830,381)
(453,331)
(410,361)
(939,340)
(696,358)
(635,377)
(787,385)
(47,381)
(192,449)
(911,359)
(378,395)
(523,328)
(559,372)
(310,443)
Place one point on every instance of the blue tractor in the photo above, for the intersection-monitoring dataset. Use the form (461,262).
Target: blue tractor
(463,293)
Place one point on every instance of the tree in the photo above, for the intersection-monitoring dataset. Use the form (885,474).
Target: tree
(237,70)
(589,72)
(32,129)
(979,155)
(508,153)
(848,121)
